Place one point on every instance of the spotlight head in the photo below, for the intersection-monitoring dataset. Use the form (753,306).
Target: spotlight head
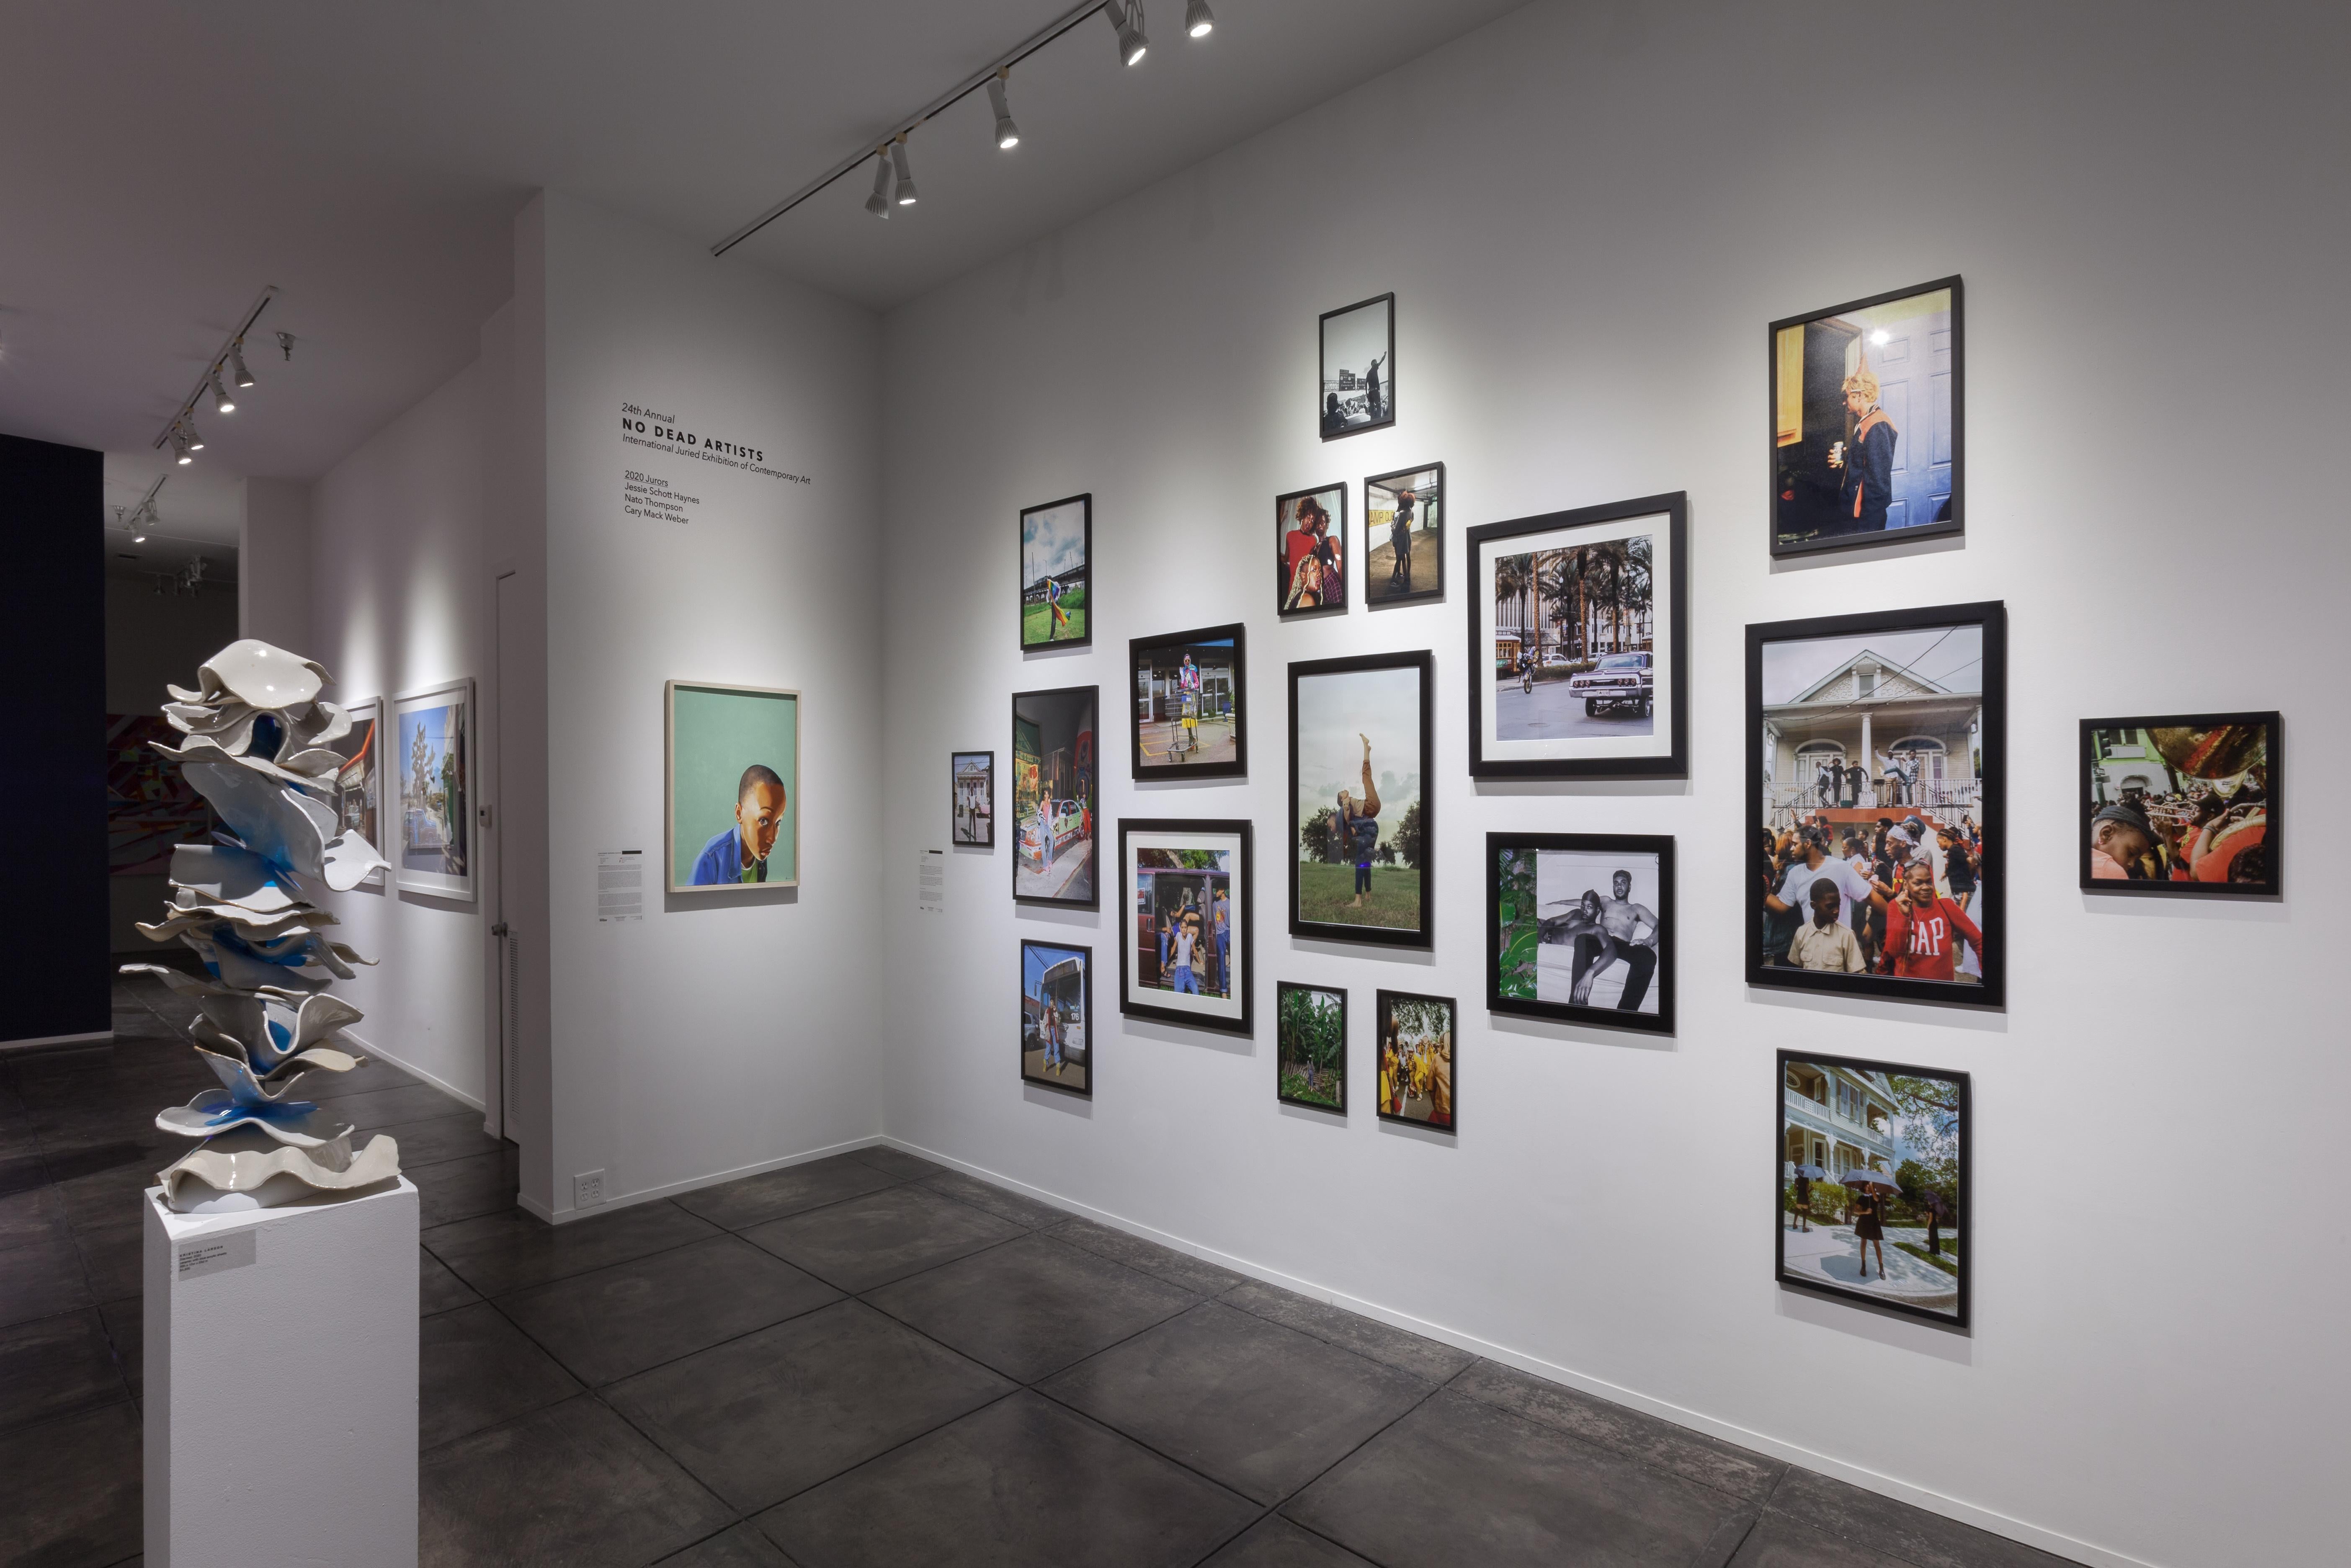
(237,373)
(1198,20)
(1007,135)
(1128,21)
(878,204)
(179,449)
(222,401)
(195,437)
(906,194)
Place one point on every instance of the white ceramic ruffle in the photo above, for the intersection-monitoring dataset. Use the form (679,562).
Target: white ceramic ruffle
(245,1169)
(282,824)
(271,1023)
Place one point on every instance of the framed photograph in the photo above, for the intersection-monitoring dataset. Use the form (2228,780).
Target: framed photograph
(1877,747)
(1870,1184)
(432,756)
(1361,856)
(1867,419)
(1310,550)
(2182,806)
(1187,889)
(1417,1077)
(734,787)
(1053,797)
(1057,1017)
(1359,367)
(1578,638)
(1580,928)
(1403,536)
(971,798)
(1310,1057)
(358,783)
(1189,716)
(1057,549)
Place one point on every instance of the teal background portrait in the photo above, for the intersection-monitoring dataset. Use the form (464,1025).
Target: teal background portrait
(714,733)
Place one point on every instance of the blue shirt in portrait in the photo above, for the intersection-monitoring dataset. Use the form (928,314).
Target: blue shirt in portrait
(721,861)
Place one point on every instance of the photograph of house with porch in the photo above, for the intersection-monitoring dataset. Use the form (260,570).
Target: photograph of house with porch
(1855,729)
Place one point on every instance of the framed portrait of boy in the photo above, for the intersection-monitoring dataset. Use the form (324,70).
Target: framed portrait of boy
(2182,806)
(1057,1017)
(1876,760)
(1870,1184)
(971,799)
(1579,633)
(1418,1072)
(1055,797)
(1189,714)
(1310,552)
(1057,547)
(432,769)
(1310,1065)
(1403,536)
(1362,826)
(359,782)
(1186,955)
(733,785)
(1580,928)
(1869,420)
(1358,343)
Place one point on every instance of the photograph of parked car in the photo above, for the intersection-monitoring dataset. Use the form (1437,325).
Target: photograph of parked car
(1054,779)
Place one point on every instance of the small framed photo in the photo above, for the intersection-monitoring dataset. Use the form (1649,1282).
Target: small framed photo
(1057,1017)
(1877,745)
(971,799)
(1310,550)
(2182,806)
(1870,1190)
(1866,422)
(1578,638)
(1403,536)
(1310,1059)
(432,756)
(1417,1075)
(359,782)
(1054,798)
(1187,891)
(1359,367)
(1362,824)
(1580,928)
(734,787)
(1189,716)
(1057,549)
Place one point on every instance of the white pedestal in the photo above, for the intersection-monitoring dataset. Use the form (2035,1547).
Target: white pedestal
(281,1385)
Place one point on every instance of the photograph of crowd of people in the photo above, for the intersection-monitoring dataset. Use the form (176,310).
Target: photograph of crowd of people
(431,761)
(1865,421)
(971,798)
(1359,367)
(1057,1015)
(359,782)
(1581,928)
(1053,799)
(1189,718)
(1185,960)
(1416,1035)
(2185,804)
(1057,543)
(1874,749)
(734,772)
(1403,536)
(1359,776)
(1873,1184)
(1311,1046)
(1574,650)
(1310,532)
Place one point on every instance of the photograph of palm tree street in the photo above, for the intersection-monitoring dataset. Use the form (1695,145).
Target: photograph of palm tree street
(1573,630)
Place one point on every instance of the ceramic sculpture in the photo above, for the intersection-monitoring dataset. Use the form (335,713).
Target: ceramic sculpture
(260,747)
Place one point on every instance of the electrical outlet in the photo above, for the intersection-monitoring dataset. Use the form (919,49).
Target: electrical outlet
(587,1189)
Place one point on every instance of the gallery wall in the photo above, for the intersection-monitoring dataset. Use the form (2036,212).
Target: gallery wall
(1589,215)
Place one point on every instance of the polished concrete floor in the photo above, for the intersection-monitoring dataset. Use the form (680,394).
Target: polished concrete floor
(864,1360)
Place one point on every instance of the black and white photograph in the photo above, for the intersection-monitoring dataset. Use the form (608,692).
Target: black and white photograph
(2182,806)
(1187,886)
(1189,714)
(1403,536)
(1580,928)
(1358,367)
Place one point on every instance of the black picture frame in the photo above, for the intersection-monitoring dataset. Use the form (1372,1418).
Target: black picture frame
(1386,999)
(1285,569)
(1424,498)
(2092,753)
(955,760)
(1020,541)
(1084,1088)
(1955,525)
(1326,388)
(1659,982)
(1282,990)
(1137,649)
(1989,807)
(1132,930)
(1085,766)
(1959,1318)
(1670,762)
(1425,934)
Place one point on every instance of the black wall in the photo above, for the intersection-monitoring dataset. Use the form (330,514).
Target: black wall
(53,760)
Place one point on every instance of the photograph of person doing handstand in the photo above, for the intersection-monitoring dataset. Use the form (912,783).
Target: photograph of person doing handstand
(739,851)
(1359,756)
(1359,826)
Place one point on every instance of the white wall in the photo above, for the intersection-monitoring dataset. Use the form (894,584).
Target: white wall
(274,563)
(1589,215)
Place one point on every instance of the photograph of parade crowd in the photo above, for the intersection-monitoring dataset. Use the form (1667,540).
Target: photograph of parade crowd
(1311,1046)
(1359,764)
(1415,1036)
(2186,804)
(1581,928)
(1403,537)
(1186,958)
(1873,1183)
(1310,532)
(1359,367)
(1189,688)
(1057,1016)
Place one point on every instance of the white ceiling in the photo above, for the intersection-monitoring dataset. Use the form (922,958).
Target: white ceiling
(169,160)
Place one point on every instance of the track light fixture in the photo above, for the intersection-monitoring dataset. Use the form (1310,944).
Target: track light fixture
(1198,20)
(222,401)
(878,204)
(179,450)
(1007,135)
(239,375)
(195,437)
(226,366)
(906,197)
(1128,20)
